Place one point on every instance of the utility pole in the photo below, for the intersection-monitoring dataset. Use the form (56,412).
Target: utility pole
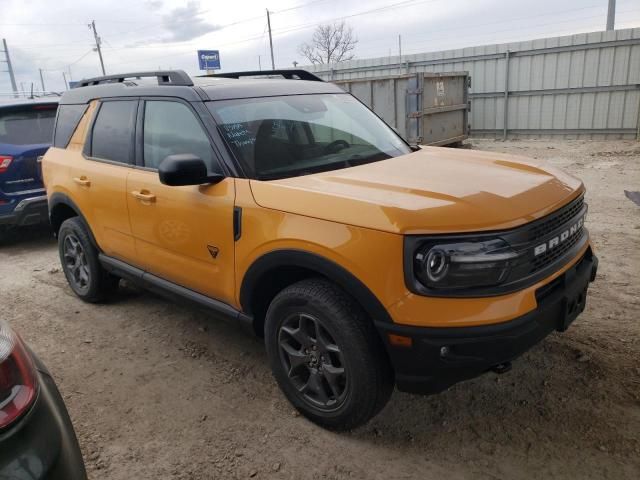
(64,77)
(273,64)
(259,63)
(611,15)
(10,68)
(92,26)
(42,80)
(400,50)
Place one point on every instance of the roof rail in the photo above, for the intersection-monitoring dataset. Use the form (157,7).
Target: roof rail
(289,74)
(165,77)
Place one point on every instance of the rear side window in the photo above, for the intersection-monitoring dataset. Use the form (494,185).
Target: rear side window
(27,126)
(68,118)
(112,135)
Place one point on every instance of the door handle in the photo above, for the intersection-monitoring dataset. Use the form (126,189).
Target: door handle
(82,181)
(144,196)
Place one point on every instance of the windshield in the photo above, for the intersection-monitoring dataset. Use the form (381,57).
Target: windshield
(277,137)
(27,127)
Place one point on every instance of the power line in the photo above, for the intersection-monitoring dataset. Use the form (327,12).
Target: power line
(416,48)
(296,7)
(498,22)
(277,32)
(286,30)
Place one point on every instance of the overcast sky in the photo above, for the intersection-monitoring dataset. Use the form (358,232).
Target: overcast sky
(150,34)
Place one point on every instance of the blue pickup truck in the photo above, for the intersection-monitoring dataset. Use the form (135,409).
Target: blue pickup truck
(26,129)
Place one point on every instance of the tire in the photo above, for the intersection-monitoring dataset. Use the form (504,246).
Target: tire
(79,259)
(326,355)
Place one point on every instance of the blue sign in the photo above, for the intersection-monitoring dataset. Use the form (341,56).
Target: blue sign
(209,59)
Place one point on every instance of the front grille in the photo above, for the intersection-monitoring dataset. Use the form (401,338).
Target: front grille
(556,219)
(550,256)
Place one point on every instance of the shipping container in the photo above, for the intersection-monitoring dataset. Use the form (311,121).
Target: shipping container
(424,108)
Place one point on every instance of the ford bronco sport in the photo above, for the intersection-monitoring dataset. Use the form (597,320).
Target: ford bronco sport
(289,206)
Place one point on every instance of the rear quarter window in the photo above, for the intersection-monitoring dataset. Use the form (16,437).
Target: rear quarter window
(29,125)
(68,118)
(112,134)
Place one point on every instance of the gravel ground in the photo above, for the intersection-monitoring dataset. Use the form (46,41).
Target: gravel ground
(157,390)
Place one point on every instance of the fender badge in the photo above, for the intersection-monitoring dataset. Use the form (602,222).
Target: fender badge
(213,251)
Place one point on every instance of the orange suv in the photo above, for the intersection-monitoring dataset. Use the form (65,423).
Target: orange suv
(289,206)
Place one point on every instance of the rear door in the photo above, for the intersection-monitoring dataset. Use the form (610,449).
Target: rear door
(25,134)
(98,176)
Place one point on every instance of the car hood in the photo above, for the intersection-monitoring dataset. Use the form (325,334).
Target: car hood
(433,190)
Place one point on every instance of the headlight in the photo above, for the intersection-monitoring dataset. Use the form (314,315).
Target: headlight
(462,265)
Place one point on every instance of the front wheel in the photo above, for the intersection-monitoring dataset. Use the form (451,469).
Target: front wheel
(326,356)
(79,259)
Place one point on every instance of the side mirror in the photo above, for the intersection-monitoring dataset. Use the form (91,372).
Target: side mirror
(185,169)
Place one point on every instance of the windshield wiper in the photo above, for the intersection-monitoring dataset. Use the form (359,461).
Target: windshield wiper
(358,159)
(353,161)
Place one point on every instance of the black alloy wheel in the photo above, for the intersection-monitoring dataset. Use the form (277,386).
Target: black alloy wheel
(313,361)
(75,262)
(80,263)
(326,355)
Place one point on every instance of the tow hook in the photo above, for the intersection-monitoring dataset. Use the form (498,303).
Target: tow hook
(501,368)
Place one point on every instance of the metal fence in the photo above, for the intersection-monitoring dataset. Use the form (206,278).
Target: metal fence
(579,86)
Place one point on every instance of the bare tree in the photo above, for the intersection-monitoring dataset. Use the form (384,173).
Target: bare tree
(330,43)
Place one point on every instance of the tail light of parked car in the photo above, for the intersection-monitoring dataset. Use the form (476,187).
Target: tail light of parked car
(18,384)
(5,161)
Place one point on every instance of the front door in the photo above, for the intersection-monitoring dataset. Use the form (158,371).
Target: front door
(182,234)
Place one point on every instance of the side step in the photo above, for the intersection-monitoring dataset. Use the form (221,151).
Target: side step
(172,290)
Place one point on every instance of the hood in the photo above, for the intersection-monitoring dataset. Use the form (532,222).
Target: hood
(433,190)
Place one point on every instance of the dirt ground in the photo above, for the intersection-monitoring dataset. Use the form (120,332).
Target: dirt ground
(160,391)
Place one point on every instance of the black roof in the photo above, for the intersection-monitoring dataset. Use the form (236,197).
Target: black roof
(176,83)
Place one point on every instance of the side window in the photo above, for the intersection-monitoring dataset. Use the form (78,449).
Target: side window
(66,123)
(172,128)
(112,136)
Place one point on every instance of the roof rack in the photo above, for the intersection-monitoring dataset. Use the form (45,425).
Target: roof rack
(289,74)
(165,77)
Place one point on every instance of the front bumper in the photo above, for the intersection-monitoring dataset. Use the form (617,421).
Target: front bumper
(28,211)
(441,357)
(42,444)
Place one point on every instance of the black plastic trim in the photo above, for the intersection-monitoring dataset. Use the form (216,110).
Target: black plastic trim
(172,290)
(237,223)
(62,199)
(165,77)
(36,212)
(289,74)
(441,357)
(321,265)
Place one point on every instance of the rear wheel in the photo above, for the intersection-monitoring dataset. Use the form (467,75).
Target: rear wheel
(79,259)
(326,356)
